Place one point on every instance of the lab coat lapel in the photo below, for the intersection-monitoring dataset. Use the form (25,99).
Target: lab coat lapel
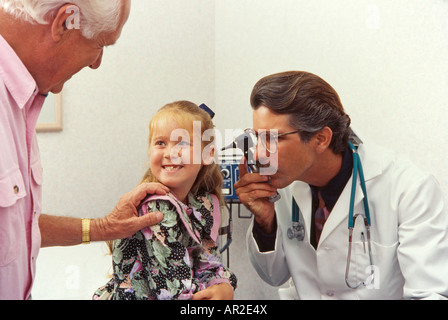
(339,214)
(372,167)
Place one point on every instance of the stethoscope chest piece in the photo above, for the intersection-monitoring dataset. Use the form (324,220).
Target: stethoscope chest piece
(296,231)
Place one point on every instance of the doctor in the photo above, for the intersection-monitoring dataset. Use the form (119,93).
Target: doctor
(401,253)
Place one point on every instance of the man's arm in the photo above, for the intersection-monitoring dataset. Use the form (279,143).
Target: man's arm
(423,237)
(122,222)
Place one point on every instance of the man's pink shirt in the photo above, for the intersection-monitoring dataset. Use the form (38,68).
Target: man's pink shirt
(20,176)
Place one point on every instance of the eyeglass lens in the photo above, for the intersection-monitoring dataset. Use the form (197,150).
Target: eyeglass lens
(269,141)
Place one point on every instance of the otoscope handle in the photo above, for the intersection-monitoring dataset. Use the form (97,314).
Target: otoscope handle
(247,143)
(254,169)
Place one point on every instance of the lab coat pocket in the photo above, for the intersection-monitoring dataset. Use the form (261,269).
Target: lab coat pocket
(380,272)
(12,190)
(363,268)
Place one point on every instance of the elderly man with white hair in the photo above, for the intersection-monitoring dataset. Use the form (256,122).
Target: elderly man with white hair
(43,43)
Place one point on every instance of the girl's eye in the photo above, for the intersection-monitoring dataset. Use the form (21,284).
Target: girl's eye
(159,143)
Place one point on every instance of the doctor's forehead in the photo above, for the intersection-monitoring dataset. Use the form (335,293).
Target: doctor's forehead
(265,118)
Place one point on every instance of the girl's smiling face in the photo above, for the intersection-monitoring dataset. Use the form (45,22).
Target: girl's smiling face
(171,152)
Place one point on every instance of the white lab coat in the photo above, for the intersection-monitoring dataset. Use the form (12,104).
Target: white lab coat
(409,237)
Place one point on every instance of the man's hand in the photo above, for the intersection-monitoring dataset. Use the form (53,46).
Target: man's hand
(254,191)
(222,291)
(124,221)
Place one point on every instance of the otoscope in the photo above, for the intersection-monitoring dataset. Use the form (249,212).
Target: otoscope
(247,143)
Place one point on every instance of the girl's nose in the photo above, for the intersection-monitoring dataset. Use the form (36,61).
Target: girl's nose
(174,153)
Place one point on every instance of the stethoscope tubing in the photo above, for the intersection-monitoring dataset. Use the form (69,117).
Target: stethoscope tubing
(298,231)
(357,169)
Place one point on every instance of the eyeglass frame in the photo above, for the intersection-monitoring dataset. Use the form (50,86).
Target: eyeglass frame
(275,136)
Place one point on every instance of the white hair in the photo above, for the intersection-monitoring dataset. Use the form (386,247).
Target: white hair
(96,16)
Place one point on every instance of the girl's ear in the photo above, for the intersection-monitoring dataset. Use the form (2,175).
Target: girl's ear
(208,155)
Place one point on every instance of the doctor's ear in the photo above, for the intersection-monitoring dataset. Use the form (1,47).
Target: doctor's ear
(322,139)
(67,18)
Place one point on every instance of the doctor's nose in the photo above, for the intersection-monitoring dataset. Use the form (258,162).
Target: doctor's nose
(261,154)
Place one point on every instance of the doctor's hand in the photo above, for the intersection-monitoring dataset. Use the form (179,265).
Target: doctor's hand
(124,220)
(254,191)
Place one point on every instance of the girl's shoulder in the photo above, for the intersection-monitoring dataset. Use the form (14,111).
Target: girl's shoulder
(206,209)
(162,203)
(202,200)
(205,202)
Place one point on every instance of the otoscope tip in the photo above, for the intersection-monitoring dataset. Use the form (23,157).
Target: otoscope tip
(230,146)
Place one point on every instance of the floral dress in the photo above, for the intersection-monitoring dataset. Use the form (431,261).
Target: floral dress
(173,259)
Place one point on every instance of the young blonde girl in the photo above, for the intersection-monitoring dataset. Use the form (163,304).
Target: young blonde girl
(178,257)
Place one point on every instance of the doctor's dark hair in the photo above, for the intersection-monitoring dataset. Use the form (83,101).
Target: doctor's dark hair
(309,100)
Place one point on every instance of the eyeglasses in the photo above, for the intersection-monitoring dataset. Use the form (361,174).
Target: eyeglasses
(269,139)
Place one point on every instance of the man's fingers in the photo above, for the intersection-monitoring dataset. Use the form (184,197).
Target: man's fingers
(259,189)
(202,295)
(258,180)
(242,167)
(154,188)
(247,179)
(151,218)
(250,196)
(148,188)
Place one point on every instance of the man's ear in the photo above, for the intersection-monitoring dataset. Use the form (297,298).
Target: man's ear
(59,26)
(323,138)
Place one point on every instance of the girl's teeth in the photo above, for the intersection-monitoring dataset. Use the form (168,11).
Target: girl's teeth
(171,168)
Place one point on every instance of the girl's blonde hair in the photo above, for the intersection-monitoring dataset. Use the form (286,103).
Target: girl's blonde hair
(184,113)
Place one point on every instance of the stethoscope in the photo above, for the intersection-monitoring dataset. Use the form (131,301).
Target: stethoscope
(298,230)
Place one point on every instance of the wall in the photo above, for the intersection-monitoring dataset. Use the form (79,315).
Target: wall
(163,55)
(387,59)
